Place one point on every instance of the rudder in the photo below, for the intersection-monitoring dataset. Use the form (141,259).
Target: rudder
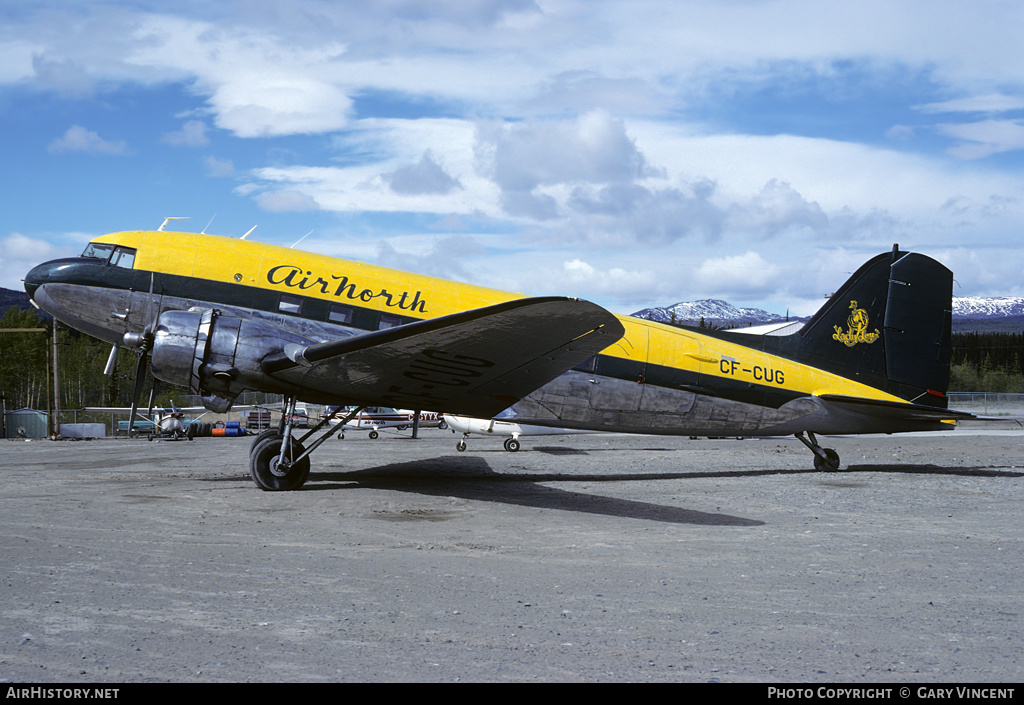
(888,326)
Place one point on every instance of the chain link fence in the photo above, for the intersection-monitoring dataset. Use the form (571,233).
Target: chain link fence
(988,403)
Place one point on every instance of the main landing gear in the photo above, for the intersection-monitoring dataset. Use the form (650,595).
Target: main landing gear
(280,462)
(825,459)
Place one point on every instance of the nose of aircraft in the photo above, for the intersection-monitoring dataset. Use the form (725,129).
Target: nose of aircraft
(57,270)
(36,277)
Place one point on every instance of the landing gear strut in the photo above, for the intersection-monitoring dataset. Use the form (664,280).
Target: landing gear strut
(825,459)
(279,462)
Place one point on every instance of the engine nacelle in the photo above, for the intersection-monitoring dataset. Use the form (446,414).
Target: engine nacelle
(218,356)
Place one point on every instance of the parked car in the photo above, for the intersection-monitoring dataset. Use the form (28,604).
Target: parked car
(300,419)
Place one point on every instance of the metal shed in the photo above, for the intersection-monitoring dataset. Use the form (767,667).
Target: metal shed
(26,423)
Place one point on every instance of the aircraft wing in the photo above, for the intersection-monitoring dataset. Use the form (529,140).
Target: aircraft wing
(477,362)
(160,409)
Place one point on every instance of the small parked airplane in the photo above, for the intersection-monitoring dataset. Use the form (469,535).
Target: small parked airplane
(375,418)
(165,423)
(221,315)
(499,426)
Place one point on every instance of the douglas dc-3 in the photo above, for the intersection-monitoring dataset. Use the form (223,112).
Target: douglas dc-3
(221,315)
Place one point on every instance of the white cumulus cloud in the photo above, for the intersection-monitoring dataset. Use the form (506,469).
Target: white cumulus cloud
(80,139)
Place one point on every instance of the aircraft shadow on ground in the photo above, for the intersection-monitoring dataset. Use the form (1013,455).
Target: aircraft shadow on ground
(928,469)
(471,478)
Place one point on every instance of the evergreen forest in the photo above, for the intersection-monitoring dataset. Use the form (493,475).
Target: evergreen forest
(987,362)
(26,377)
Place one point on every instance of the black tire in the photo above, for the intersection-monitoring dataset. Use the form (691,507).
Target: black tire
(262,436)
(373,435)
(460,446)
(511,445)
(264,469)
(831,464)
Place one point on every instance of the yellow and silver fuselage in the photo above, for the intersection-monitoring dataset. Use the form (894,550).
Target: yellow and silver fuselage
(656,377)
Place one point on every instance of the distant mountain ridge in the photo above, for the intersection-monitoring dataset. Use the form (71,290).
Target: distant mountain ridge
(19,300)
(9,297)
(970,313)
(988,307)
(712,312)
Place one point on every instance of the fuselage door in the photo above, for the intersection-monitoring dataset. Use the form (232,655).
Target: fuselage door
(619,384)
(673,372)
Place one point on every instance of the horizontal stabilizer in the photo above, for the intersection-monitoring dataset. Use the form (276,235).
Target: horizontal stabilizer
(476,363)
(893,410)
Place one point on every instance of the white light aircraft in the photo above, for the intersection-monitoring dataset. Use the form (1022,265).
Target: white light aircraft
(500,427)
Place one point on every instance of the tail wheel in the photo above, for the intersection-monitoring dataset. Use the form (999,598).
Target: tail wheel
(825,459)
(830,463)
(273,474)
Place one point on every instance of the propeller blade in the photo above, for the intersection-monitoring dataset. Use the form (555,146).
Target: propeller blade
(140,374)
(152,397)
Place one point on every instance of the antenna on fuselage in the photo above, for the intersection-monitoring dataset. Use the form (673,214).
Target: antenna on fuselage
(301,239)
(168,220)
(208,224)
(249,233)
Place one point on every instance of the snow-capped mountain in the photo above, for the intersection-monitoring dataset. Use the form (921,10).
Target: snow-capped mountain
(987,307)
(712,311)
(969,313)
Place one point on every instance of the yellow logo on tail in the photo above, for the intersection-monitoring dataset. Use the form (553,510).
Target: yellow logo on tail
(858,332)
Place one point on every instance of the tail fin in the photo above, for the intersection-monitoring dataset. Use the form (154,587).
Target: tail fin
(888,326)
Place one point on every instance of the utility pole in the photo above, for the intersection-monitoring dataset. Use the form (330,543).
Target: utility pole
(56,386)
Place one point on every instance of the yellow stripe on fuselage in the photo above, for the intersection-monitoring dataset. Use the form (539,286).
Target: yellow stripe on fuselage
(712,357)
(250,263)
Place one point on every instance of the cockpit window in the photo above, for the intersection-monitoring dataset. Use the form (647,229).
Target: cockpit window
(98,250)
(123,257)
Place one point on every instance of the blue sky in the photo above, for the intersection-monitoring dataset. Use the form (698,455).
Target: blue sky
(633,153)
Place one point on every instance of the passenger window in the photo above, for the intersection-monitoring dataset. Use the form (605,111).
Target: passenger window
(123,257)
(289,304)
(340,314)
(388,320)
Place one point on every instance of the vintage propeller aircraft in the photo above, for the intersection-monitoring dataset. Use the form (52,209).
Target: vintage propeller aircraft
(221,315)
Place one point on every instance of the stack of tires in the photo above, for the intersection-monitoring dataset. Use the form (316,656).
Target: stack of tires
(205,430)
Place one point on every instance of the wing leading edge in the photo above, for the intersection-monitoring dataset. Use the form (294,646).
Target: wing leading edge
(475,363)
